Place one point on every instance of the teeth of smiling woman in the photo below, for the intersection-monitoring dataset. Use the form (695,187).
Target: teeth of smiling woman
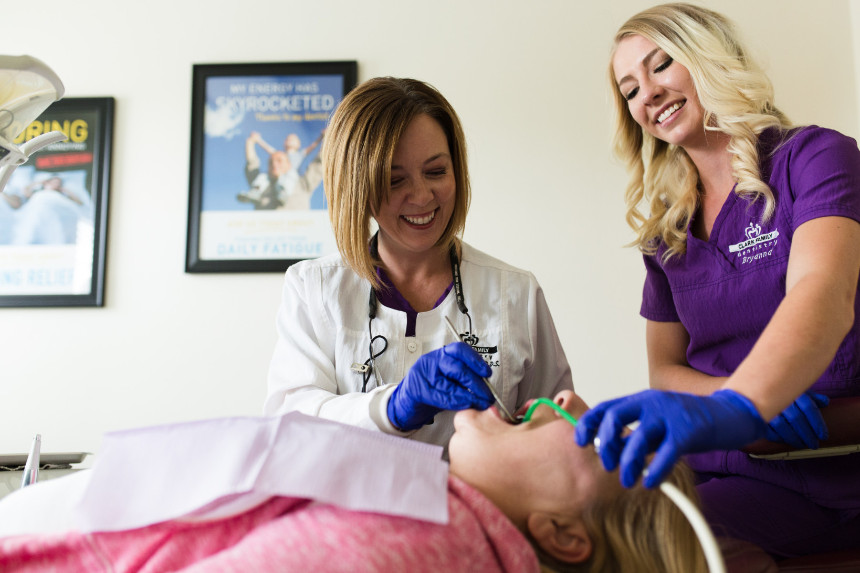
(669,111)
(420,220)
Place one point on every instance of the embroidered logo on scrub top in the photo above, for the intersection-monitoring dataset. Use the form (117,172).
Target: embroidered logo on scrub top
(756,246)
(486,352)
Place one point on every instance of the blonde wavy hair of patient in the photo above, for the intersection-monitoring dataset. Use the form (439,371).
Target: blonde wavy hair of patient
(738,101)
(641,530)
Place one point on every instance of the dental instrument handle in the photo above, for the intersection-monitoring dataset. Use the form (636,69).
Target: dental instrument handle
(492,389)
(31,468)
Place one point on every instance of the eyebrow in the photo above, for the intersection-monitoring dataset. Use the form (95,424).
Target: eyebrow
(429,160)
(645,61)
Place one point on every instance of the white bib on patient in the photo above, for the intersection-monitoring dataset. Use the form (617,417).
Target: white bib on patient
(215,468)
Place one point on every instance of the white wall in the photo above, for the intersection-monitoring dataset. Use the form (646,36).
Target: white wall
(529,85)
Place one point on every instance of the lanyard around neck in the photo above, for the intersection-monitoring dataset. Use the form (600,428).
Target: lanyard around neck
(373,303)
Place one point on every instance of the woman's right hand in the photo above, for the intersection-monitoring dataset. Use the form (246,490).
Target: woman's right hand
(446,379)
(672,424)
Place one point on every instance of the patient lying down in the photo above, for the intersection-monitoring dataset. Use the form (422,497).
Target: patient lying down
(519,498)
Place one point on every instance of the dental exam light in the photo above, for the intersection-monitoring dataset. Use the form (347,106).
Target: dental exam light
(27,87)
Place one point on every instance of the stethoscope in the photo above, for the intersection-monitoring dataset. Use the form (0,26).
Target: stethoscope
(369,365)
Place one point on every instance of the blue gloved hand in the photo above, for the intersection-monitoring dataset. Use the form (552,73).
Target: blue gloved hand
(670,423)
(800,425)
(445,379)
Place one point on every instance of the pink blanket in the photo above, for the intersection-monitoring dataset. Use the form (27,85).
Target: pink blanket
(289,534)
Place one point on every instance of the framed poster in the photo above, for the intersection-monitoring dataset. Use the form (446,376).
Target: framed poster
(256,201)
(53,210)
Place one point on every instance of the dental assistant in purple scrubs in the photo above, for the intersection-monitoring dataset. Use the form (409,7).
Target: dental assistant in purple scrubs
(749,229)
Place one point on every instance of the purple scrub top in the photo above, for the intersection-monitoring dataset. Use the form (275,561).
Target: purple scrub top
(725,290)
(391,297)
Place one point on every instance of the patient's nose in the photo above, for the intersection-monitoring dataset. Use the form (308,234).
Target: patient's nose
(564,399)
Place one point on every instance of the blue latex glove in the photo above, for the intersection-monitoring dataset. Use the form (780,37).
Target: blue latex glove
(445,379)
(800,425)
(670,423)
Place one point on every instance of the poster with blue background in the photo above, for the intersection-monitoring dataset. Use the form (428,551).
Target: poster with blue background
(259,172)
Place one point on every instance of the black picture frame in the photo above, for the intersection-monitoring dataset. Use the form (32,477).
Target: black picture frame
(246,212)
(53,245)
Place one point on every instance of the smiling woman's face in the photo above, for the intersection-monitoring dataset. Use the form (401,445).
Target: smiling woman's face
(533,463)
(660,93)
(413,217)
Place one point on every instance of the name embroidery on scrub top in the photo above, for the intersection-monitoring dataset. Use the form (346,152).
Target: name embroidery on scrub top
(756,246)
(486,352)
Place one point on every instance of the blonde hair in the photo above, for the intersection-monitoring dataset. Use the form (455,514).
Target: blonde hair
(360,141)
(738,101)
(639,530)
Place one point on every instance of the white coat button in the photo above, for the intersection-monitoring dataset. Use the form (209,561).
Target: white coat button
(412,347)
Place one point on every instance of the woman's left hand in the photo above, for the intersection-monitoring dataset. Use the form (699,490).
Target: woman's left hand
(801,424)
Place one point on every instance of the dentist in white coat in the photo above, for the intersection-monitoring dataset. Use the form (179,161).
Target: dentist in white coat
(361,334)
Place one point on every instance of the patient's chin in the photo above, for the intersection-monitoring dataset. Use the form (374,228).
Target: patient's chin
(462,419)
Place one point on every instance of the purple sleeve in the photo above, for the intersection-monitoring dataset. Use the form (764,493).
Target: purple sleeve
(824,175)
(657,301)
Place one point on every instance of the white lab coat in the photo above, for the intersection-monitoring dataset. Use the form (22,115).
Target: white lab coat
(323,329)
